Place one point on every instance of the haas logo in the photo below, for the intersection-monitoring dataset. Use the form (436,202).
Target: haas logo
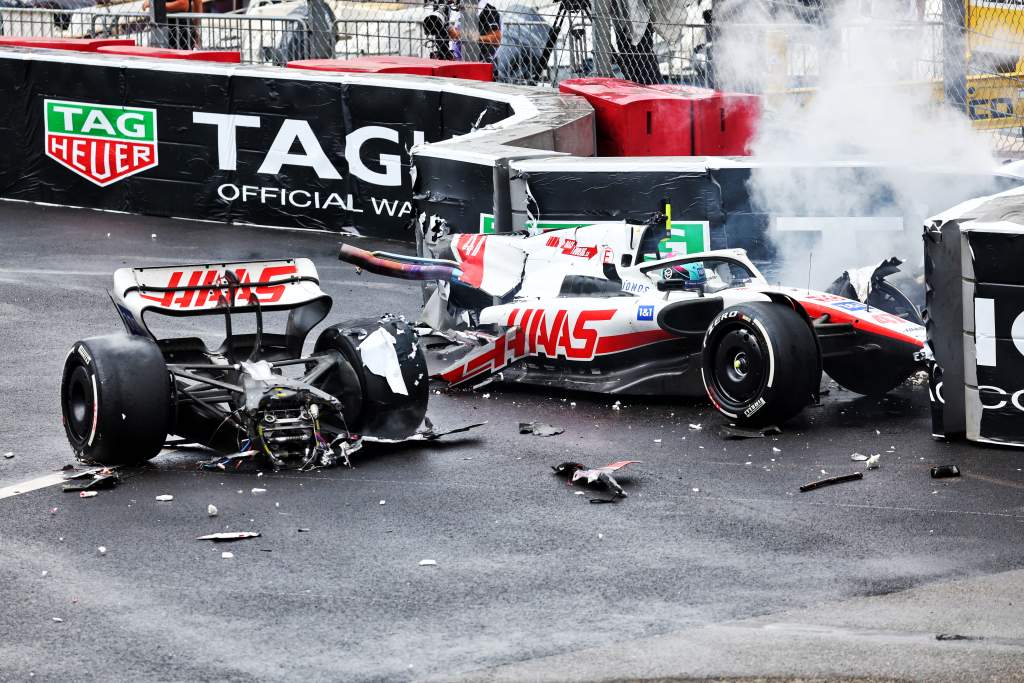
(551,333)
(199,298)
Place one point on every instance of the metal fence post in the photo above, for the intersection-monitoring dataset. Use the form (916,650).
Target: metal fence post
(954,52)
(470,31)
(602,33)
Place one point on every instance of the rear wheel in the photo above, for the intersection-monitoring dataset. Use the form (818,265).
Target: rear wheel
(760,363)
(383,411)
(116,399)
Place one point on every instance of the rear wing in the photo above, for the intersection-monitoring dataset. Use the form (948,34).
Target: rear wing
(204,289)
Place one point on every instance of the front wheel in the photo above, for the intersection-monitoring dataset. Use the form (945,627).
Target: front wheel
(760,363)
(115,397)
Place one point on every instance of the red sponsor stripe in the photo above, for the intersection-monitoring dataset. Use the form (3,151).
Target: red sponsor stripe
(470,249)
(617,343)
(816,310)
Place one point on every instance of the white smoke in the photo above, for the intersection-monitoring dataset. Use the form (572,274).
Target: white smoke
(874,103)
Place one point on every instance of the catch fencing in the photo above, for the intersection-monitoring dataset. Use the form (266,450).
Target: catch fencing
(967,52)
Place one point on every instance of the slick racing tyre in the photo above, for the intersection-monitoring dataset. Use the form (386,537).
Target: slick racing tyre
(115,397)
(760,363)
(383,412)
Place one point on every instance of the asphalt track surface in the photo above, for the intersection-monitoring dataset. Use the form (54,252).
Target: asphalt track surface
(715,567)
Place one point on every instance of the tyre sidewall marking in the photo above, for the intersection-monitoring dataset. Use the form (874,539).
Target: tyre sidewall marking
(85,355)
(711,396)
(722,317)
(95,409)
(771,352)
(754,407)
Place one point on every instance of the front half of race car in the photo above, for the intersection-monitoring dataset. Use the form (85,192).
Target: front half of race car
(604,308)
(256,394)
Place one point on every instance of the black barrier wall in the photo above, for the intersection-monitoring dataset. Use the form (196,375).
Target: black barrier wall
(293,148)
(976,319)
(240,144)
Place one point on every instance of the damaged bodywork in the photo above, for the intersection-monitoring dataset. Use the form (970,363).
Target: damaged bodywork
(615,308)
(256,394)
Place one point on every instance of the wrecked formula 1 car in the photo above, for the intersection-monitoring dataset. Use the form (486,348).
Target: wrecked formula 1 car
(611,308)
(257,394)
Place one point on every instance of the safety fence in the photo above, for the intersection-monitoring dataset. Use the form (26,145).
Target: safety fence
(541,44)
(966,51)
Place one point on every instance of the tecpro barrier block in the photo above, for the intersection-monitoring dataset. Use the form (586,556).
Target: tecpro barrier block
(476,71)
(668,120)
(76,44)
(222,56)
(634,120)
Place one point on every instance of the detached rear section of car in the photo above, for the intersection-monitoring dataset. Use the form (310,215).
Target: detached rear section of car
(255,394)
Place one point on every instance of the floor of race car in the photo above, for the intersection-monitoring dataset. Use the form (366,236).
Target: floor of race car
(715,565)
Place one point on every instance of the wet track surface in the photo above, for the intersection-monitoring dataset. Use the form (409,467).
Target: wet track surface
(714,551)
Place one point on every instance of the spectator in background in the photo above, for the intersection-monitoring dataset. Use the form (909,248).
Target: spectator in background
(489,24)
(634,41)
(526,40)
(182,34)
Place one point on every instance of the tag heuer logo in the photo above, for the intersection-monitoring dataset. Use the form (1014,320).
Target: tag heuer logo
(100,142)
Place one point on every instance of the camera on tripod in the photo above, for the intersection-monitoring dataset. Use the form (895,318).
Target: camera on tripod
(582,6)
(435,26)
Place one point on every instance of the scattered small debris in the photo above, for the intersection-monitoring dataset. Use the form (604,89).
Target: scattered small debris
(733,432)
(696,426)
(225,536)
(226,555)
(956,636)
(695,490)
(776,449)
(872,462)
(303,529)
(602,475)
(165,498)
(858,457)
(383,502)
(945,471)
(92,480)
(428,563)
(539,429)
(617,405)
(102,550)
(256,492)
(211,510)
(221,462)
(9,454)
(57,620)
(88,494)
(831,480)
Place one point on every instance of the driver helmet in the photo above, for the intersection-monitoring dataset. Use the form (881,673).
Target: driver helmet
(691,273)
